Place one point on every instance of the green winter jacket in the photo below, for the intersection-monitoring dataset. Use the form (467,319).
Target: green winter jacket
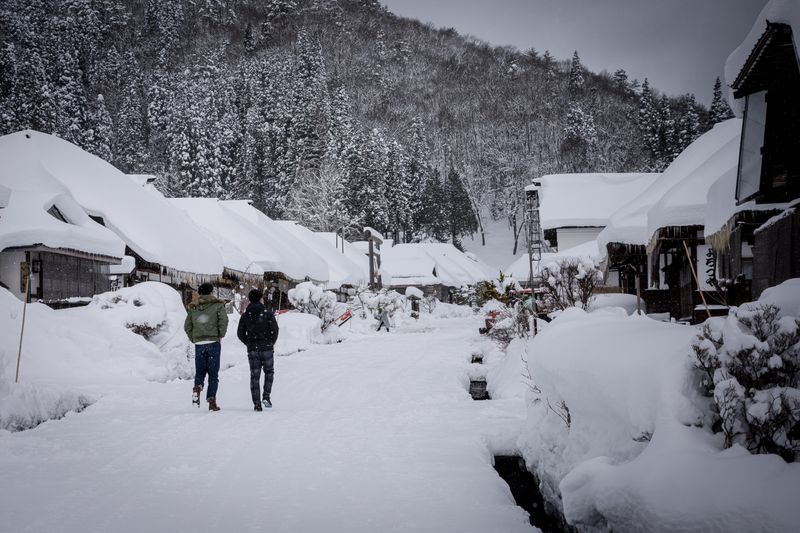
(206,320)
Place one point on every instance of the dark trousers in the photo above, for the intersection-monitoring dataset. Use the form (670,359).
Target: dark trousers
(261,361)
(206,361)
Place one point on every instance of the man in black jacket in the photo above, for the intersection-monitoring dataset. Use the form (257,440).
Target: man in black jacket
(258,330)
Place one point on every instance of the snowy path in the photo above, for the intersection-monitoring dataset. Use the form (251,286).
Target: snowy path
(375,434)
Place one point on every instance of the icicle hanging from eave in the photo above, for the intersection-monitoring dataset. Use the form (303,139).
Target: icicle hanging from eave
(720,241)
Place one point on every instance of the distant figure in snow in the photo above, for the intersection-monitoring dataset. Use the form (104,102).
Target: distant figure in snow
(383,319)
(206,323)
(258,330)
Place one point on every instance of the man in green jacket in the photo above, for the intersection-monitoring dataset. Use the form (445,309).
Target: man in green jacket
(205,325)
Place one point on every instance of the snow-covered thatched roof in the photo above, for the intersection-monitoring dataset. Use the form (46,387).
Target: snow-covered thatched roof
(36,209)
(341,270)
(678,196)
(244,249)
(433,264)
(152,227)
(289,255)
(588,199)
(355,253)
(686,201)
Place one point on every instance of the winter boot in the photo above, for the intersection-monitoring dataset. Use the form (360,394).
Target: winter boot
(266,403)
(196,395)
(257,407)
(212,404)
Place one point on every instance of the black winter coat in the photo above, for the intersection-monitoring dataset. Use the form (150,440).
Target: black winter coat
(258,329)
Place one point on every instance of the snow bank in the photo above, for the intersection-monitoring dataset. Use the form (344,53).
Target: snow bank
(785,296)
(26,405)
(298,331)
(66,352)
(155,312)
(587,199)
(624,301)
(90,345)
(508,375)
(683,482)
(613,434)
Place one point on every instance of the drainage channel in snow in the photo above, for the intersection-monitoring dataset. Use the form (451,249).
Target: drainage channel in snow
(477,389)
(525,489)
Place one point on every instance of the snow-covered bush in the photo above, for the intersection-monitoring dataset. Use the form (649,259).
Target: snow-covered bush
(155,312)
(569,283)
(466,295)
(497,289)
(370,302)
(749,363)
(312,299)
(510,321)
(429,303)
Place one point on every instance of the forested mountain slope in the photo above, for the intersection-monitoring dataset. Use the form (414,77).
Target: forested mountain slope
(332,112)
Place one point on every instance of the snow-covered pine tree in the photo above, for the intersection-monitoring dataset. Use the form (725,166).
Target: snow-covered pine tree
(620,80)
(434,213)
(417,173)
(688,128)
(576,79)
(579,144)
(719,110)
(96,133)
(651,126)
(398,192)
(129,142)
(461,220)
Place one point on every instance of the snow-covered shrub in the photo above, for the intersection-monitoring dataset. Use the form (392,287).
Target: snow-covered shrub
(429,303)
(312,299)
(510,322)
(569,283)
(497,289)
(155,312)
(371,302)
(466,295)
(749,363)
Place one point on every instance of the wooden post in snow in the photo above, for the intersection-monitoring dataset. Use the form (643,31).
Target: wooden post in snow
(697,281)
(22,329)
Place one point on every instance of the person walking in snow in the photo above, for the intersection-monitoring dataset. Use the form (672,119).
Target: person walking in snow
(258,330)
(205,325)
(383,319)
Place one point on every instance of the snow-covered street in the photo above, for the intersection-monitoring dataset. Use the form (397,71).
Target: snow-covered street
(377,433)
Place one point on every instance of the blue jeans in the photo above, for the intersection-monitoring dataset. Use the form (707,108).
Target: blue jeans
(206,361)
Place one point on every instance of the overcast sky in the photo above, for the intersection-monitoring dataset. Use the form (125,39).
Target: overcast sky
(680,45)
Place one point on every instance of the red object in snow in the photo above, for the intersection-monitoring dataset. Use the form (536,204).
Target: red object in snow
(344,318)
